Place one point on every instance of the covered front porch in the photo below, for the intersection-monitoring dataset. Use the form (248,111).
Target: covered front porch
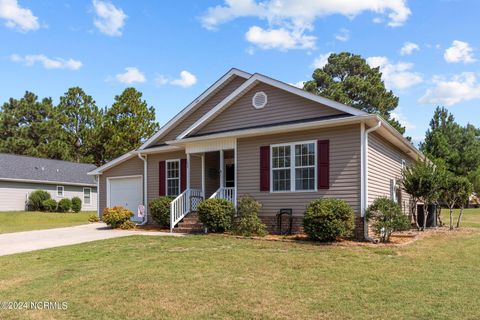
(210,173)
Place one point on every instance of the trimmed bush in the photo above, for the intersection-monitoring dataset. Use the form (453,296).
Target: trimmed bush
(160,210)
(386,217)
(127,225)
(93,218)
(216,214)
(36,198)
(49,205)
(116,216)
(76,204)
(247,222)
(64,205)
(328,219)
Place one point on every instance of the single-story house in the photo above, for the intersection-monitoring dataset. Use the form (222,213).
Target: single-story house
(21,175)
(251,134)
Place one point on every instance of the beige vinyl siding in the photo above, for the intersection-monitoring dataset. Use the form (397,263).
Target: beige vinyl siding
(130,167)
(384,164)
(344,169)
(14,195)
(281,106)
(202,109)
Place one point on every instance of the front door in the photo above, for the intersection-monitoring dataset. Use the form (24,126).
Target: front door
(229,175)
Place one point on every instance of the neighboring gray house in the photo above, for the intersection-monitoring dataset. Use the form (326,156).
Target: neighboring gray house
(20,175)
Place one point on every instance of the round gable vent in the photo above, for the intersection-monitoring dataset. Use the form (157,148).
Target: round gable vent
(259,100)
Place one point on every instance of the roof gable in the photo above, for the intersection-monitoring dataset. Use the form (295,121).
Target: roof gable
(196,109)
(255,80)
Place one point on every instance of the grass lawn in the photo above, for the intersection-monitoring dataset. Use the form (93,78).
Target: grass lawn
(471,217)
(215,277)
(24,221)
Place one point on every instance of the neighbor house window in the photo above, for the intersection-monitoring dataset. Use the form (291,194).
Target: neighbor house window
(60,191)
(294,167)
(173,178)
(87,193)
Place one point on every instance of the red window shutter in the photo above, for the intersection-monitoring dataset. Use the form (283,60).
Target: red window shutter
(161,178)
(265,168)
(323,151)
(183,175)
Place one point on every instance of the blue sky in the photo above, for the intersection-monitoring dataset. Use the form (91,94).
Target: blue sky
(173,50)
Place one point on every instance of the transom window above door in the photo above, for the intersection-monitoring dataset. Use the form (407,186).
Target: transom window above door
(173,177)
(294,167)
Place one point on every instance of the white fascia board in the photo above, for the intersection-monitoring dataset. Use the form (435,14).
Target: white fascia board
(49,182)
(272,82)
(112,163)
(161,149)
(188,108)
(277,129)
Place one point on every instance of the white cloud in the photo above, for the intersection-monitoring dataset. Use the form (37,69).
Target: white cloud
(298,84)
(48,63)
(109,19)
(130,76)
(291,19)
(461,87)
(408,48)
(321,60)
(186,80)
(397,115)
(17,17)
(396,75)
(343,35)
(459,52)
(281,39)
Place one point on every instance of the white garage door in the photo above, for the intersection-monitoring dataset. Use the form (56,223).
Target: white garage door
(126,192)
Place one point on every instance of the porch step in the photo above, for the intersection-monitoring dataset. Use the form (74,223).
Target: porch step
(190,224)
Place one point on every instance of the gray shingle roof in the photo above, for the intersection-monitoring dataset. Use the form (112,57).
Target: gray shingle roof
(30,168)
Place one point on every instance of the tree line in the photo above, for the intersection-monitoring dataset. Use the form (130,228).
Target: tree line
(75,129)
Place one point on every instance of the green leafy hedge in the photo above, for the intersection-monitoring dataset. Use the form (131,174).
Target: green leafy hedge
(116,216)
(160,210)
(76,204)
(247,222)
(216,214)
(64,205)
(49,205)
(36,199)
(328,219)
(386,217)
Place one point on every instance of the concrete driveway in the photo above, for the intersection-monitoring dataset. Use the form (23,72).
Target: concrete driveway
(25,241)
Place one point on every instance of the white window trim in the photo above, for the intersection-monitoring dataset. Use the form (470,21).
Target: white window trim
(292,166)
(179,176)
(90,199)
(63,192)
(404,164)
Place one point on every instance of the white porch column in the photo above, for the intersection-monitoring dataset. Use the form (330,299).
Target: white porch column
(203,175)
(188,171)
(222,166)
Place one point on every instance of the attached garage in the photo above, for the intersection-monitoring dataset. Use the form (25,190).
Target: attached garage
(125,191)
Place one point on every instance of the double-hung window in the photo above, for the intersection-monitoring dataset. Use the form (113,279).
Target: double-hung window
(294,167)
(173,178)
(87,192)
(60,190)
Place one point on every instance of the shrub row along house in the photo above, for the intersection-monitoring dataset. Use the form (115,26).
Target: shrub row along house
(251,134)
(21,175)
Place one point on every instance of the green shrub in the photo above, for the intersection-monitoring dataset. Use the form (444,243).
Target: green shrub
(76,204)
(160,210)
(36,198)
(247,222)
(386,217)
(127,225)
(93,218)
(49,205)
(64,205)
(116,216)
(216,214)
(328,219)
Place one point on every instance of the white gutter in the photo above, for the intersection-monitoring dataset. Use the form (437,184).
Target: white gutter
(364,176)
(145,199)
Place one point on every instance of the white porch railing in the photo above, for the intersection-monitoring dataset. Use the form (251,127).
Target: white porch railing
(229,194)
(186,202)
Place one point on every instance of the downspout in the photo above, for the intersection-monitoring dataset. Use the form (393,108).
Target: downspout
(364,169)
(145,200)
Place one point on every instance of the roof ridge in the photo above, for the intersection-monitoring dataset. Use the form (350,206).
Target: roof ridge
(32,157)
